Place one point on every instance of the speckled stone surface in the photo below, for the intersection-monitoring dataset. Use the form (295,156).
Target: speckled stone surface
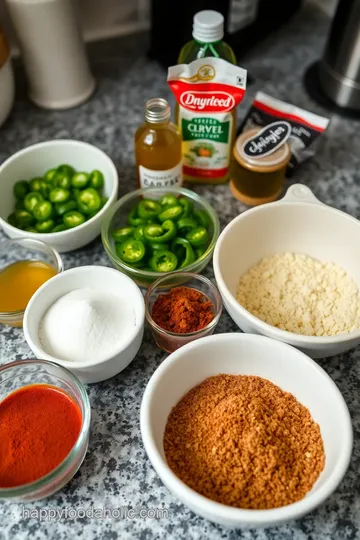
(116,472)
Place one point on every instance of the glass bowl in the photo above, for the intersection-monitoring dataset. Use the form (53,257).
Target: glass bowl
(25,372)
(117,215)
(171,341)
(25,249)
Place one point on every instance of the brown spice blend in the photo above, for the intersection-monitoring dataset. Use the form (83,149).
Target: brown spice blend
(182,310)
(242,441)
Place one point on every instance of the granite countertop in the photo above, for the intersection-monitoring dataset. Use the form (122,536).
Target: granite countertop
(116,472)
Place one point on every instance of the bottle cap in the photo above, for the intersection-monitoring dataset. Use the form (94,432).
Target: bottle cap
(208,26)
(157,110)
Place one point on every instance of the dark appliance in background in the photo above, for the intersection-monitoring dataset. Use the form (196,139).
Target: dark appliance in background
(247,22)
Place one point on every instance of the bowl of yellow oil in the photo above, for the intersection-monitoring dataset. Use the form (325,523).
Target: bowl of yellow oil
(25,264)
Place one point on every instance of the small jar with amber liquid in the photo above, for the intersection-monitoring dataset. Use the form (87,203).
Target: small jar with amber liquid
(158,148)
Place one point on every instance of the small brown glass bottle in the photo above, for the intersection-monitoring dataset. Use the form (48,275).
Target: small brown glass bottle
(158,148)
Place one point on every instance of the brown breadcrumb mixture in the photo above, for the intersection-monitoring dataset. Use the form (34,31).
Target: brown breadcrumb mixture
(242,441)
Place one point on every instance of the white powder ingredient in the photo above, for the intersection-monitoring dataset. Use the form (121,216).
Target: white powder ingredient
(86,325)
(300,294)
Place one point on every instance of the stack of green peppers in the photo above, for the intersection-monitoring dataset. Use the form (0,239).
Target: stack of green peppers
(163,235)
(61,199)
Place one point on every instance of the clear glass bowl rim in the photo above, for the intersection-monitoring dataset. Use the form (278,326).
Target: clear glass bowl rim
(26,489)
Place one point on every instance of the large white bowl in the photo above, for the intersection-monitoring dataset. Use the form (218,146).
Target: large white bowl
(246,354)
(98,277)
(298,223)
(34,161)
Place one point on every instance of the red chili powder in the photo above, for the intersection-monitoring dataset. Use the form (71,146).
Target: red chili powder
(39,425)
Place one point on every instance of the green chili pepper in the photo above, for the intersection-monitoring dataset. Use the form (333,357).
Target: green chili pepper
(160,234)
(59,228)
(96,179)
(198,236)
(45,189)
(199,251)
(134,219)
(66,169)
(163,261)
(45,226)
(80,180)
(122,234)
(131,251)
(202,217)
(12,220)
(23,219)
(185,224)
(43,211)
(103,200)
(62,208)
(32,199)
(139,233)
(50,175)
(62,180)
(75,193)
(21,188)
(171,213)
(31,229)
(185,253)
(73,219)
(158,247)
(89,201)
(20,205)
(168,200)
(59,195)
(35,184)
(187,206)
(147,209)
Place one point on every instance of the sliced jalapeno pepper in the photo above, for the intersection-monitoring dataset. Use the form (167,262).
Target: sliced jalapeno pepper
(31,229)
(23,219)
(59,195)
(202,217)
(20,205)
(80,180)
(168,200)
(187,206)
(96,179)
(198,236)
(171,213)
(199,251)
(122,234)
(89,201)
(50,175)
(43,211)
(12,220)
(131,251)
(21,188)
(134,219)
(160,234)
(185,224)
(163,261)
(75,193)
(62,208)
(158,247)
(73,219)
(45,226)
(45,189)
(32,199)
(66,169)
(35,184)
(62,180)
(103,200)
(147,209)
(184,251)
(59,228)
(139,233)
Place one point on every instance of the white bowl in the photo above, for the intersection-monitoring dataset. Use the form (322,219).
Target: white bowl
(98,277)
(246,354)
(34,161)
(298,223)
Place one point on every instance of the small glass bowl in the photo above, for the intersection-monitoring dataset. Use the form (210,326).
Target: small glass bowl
(23,373)
(171,341)
(25,249)
(117,216)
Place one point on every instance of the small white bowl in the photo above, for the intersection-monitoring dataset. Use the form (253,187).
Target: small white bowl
(246,354)
(34,161)
(298,223)
(97,277)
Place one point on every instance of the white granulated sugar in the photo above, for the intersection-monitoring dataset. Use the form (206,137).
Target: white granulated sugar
(300,294)
(86,325)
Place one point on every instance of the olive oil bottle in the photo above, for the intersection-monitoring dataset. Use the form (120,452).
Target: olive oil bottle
(158,148)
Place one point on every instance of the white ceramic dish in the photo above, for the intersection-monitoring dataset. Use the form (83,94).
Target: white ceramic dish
(298,223)
(34,161)
(104,279)
(247,354)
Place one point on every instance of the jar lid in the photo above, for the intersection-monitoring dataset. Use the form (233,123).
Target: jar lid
(264,149)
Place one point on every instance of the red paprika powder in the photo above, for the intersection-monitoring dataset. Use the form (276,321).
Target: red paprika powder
(182,310)
(39,425)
